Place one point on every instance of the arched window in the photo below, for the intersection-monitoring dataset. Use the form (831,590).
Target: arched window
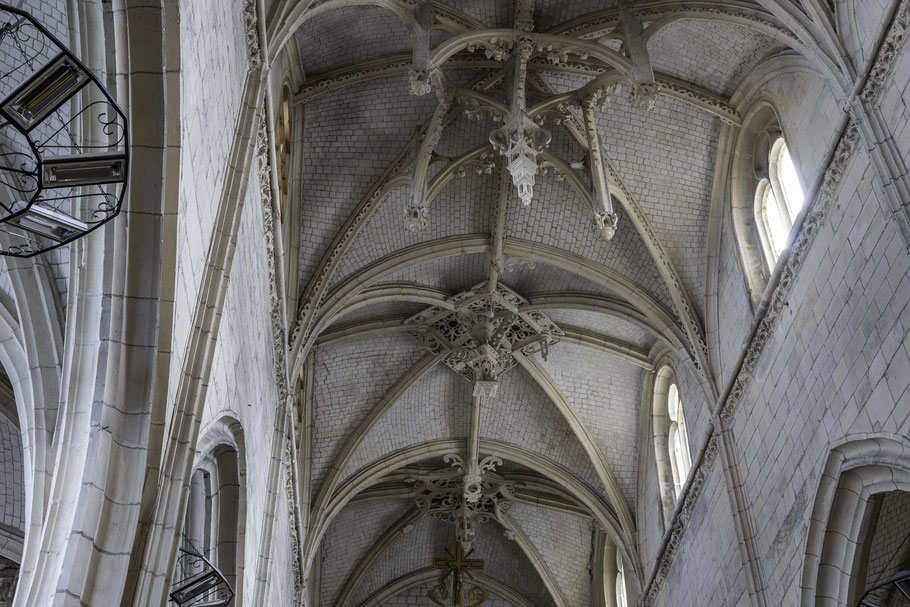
(858,526)
(229,512)
(671,438)
(778,200)
(621,599)
(215,517)
(678,440)
(197,527)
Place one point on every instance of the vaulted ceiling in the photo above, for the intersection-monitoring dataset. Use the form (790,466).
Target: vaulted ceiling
(386,408)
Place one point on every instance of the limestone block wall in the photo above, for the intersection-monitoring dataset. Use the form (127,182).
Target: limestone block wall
(243,387)
(808,113)
(211,67)
(862,23)
(895,103)
(707,569)
(836,368)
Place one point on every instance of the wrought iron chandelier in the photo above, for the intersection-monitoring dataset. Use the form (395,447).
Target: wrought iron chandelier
(64,142)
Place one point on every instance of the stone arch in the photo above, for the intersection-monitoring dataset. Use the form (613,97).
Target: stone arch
(14,361)
(736,180)
(855,471)
(365,477)
(222,452)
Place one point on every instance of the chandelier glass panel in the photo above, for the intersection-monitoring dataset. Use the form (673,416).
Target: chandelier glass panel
(64,142)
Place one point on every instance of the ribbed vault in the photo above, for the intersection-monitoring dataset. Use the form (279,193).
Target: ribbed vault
(407,205)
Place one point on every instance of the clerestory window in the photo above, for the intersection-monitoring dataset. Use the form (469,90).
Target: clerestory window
(621,599)
(778,200)
(678,440)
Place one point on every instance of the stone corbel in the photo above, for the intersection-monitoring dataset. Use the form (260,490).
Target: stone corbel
(422,74)
(644,89)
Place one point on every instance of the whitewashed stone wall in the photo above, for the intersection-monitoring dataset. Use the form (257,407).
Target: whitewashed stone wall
(836,368)
(862,22)
(242,386)
(212,66)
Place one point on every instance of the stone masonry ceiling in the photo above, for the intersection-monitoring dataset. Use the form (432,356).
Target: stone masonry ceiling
(515,192)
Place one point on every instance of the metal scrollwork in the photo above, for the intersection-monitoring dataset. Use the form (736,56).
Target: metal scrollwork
(438,594)
(198,583)
(64,142)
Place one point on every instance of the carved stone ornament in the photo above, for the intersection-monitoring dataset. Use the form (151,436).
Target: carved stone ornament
(887,54)
(419,81)
(456,497)
(482,165)
(643,95)
(605,223)
(279,337)
(251,22)
(479,335)
(417,216)
(498,49)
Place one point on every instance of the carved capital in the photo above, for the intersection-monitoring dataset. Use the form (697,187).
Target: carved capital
(498,49)
(599,97)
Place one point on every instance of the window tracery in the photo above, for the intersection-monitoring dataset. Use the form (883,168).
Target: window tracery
(621,598)
(678,439)
(778,200)
(671,438)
